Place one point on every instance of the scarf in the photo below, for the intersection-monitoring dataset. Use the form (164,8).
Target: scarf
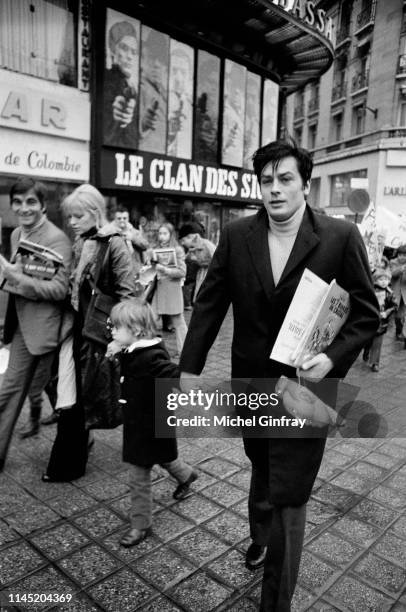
(84,258)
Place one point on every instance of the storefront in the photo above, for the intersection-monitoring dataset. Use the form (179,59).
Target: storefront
(181,107)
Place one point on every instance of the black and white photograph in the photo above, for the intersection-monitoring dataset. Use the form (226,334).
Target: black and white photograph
(202,306)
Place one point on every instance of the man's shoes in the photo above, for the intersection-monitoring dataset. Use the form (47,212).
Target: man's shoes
(375,367)
(51,419)
(255,556)
(134,537)
(183,489)
(31,429)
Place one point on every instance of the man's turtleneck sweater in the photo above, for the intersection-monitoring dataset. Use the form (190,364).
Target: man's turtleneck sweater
(281,237)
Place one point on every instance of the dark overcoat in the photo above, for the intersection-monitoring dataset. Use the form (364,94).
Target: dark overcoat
(139,370)
(241,274)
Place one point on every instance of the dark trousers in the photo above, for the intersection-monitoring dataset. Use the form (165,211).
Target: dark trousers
(282,530)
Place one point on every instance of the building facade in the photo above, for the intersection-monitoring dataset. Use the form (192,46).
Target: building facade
(354,117)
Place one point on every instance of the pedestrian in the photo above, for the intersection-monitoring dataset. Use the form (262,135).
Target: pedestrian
(136,243)
(257,267)
(384,294)
(97,247)
(34,310)
(168,296)
(144,359)
(398,269)
(200,251)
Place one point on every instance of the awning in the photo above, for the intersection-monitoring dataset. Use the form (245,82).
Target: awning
(257,31)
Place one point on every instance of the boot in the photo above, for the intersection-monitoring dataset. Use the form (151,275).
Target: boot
(32,426)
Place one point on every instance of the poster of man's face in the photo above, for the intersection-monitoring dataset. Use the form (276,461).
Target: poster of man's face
(233,114)
(180,118)
(269,112)
(252,116)
(121,80)
(207,107)
(153,90)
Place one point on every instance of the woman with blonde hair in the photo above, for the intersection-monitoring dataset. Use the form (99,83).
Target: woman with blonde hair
(168,297)
(100,262)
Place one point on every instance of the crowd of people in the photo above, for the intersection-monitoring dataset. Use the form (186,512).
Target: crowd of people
(57,329)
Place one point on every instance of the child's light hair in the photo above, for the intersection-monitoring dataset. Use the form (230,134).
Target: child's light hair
(136,315)
(86,198)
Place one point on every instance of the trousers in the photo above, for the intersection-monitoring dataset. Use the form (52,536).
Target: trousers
(141,490)
(281,529)
(13,393)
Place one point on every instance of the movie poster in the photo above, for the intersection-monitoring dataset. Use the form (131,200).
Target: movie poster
(207,107)
(153,90)
(121,81)
(180,109)
(269,112)
(233,114)
(252,118)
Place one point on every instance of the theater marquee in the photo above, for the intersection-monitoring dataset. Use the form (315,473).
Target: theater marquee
(165,175)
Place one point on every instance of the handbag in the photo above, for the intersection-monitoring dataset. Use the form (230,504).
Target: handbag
(95,327)
(101,392)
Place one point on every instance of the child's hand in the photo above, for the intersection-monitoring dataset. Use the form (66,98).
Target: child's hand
(113,348)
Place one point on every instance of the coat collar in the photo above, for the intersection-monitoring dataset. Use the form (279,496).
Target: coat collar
(257,239)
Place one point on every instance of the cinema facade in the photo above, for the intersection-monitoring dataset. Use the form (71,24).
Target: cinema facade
(182,99)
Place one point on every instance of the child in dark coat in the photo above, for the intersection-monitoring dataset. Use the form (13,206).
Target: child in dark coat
(387,304)
(143,358)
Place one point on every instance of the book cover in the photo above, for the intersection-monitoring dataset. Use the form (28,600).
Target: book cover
(306,300)
(166,257)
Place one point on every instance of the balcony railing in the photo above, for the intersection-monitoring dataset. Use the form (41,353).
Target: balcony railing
(360,80)
(342,34)
(298,111)
(366,16)
(339,91)
(402,64)
(313,104)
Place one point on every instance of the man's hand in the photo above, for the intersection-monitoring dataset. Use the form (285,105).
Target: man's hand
(12,271)
(315,368)
(189,381)
(123,110)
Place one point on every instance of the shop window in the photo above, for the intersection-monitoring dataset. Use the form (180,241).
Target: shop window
(37,37)
(341,186)
(358,119)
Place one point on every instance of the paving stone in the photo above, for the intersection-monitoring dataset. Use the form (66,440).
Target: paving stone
(301,599)
(241,479)
(199,546)
(197,508)
(351,448)
(229,526)
(391,547)
(335,496)
(93,474)
(59,541)
(356,596)
(167,525)
(121,592)
(34,516)
(7,534)
(323,606)
(357,531)
(242,605)
(163,567)
(18,560)
(71,503)
(112,543)
(224,493)
(48,580)
(337,459)
(230,568)
(389,448)
(221,468)
(12,496)
(203,481)
(382,460)
(333,548)
(374,513)
(200,592)
(241,508)
(386,495)
(238,456)
(319,513)
(79,603)
(368,470)
(162,491)
(161,604)
(107,488)
(381,573)
(313,572)
(399,527)
(397,481)
(89,564)
(99,522)
(353,482)
(193,454)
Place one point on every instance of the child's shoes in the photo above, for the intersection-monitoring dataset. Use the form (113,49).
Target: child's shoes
(183,489)
(134,537)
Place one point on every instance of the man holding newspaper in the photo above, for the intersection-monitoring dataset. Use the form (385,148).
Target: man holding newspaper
(37,281)
(257,268)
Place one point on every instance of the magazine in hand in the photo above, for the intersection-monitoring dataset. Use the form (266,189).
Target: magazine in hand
(166,257)
(38,261)
(316,314)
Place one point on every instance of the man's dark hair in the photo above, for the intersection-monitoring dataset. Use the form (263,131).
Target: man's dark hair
(121,209)
(24,184)
(277,150)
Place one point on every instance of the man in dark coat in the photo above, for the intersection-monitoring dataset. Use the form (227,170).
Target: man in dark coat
(256,268)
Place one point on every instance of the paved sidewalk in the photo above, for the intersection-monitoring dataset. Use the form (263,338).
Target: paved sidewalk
(63,538)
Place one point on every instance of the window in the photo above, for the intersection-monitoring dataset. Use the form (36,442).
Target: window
(358,119)
(37,37)
(341,186)
(337,127)
(297,135)
(402,114)
(312,136)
